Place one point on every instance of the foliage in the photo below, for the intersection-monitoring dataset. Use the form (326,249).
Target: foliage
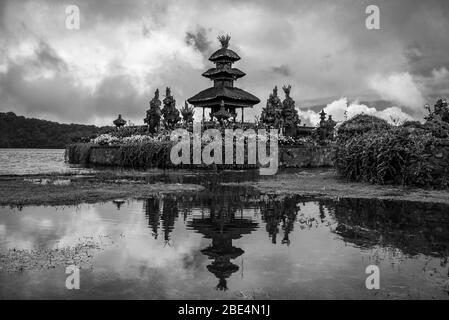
(136,139)
(396,155)
(271,114)
(135,152)
(110,139)
(440,110)
(105,140)
(436,126)
(187,113)
(153,116)
(78,153)
(128,131)
(360,124)
(20,132)
(146,154)
(169,111)
(289,112)
(279,114)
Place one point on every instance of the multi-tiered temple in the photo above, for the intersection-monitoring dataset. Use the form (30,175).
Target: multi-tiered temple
(223,98)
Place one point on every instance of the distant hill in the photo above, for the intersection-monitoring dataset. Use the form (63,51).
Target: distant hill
(20,132)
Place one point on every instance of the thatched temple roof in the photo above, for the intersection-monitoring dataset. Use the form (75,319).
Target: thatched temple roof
(224,54)
(229,94)
(223,90)
(226,72)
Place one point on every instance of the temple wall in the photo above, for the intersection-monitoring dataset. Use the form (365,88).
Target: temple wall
(289,157)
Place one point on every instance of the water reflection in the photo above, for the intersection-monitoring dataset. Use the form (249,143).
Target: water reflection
(412,228)
(222,226)
(226,240)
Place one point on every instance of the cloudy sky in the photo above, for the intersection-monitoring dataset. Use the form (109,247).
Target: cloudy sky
(124,50)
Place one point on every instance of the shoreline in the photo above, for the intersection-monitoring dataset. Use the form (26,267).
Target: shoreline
(30,190)
(325,183)
(73,189)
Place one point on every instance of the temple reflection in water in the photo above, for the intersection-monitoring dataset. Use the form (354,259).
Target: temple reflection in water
(222,226)
(223,214)
(220,217)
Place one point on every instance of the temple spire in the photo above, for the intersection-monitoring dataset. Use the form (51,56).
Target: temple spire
(223,91)
(224,40)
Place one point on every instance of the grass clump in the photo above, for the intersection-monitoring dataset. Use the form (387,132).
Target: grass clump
(412,154)
(359,125)
(78,153)
(143,155)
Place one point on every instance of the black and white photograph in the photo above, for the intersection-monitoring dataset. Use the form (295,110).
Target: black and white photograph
(241,151)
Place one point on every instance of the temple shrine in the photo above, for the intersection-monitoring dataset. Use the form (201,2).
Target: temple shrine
(223,99)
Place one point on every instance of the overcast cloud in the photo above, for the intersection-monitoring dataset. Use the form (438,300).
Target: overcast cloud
(126,49)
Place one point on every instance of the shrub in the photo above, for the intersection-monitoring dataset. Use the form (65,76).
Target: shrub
(78,153)
(360,124)
(397,155)
(128,131)
(146,154)
(106,140)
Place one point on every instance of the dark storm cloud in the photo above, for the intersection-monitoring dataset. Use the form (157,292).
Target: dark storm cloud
(198,39)
(413,53)
(423,61)
(98,11)
(282,70)
(61,96)
(2,12)
(47,57)
(316,44)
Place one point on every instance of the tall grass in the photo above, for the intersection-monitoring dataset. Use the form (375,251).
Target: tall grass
(360,124)
(78,153)
(394,155)
(146,154)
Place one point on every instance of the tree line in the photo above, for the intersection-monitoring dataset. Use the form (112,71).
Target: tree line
(20,132)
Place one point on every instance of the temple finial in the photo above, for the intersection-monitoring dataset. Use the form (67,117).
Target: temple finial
(287,90)
(224,40)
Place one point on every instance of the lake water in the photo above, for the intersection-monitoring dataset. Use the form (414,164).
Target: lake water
(228,243)
(34,161)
